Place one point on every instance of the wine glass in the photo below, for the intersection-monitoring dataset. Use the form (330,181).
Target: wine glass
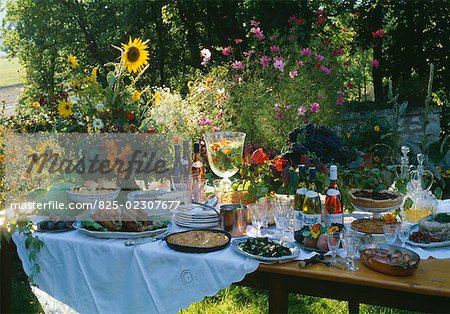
(350,242)
(390,233)
(258,214)
(333,240)
(283,211)
(403,232)
(224,151)
(268,205)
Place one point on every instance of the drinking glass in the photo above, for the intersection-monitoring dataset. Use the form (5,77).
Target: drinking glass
(333,240)
(185,185)
(259,215)
(403,232)
(390,233)
(224,150)
(198,189)
(350,242)
(268,204)
(283,212)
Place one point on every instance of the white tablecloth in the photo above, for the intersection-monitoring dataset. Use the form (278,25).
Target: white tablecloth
(104,276)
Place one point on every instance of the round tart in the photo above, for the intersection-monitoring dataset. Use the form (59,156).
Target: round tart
(371,199)
(369,225)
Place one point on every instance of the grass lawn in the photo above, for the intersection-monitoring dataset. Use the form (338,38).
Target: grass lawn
(235,299)
(10,72)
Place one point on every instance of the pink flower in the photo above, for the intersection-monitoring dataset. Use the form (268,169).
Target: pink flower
(301,111)
(325,70)
(305,52)
(293,74)
(216,129)
(264,61)
(319,57)
(292,19)
(341,99)
(291,38)
(237,65)
(314,107)
(345,30)
(378,33)
(238,40)
(338,52)
(204,121)
(299,63)
(206,55)
(300,21)
(275,49)
(226,51)
(258,33)
(278,63)
(375,63)
(220,114)
(254,23)
(277,106)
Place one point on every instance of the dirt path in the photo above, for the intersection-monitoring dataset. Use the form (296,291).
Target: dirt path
(10,95)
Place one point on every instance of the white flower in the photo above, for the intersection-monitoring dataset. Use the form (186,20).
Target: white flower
(78,115)
(100,106)
(74,99)
(98,124)
(81,123)
(205,53)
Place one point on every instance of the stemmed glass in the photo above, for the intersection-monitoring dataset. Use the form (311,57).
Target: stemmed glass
(224,150)
(283,211)
(390,233)
(350,242)
(403,232)
(333,240)
(259,215)
(268,205)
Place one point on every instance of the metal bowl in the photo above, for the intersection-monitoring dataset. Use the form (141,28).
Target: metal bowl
(397,262)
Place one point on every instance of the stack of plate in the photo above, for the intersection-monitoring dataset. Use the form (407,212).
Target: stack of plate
(197,217)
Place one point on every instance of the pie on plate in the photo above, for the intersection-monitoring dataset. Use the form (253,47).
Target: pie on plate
(369,225)
(198,240)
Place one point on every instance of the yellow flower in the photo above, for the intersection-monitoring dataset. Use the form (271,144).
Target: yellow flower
(209,81)
(135,55)
(2,158)
(333,229)
(389,218)
(377,128)
(190,84)
(156,98)
(65,108)
(136,95)
(36,104)
(348,135)
(73,61)
(93,77)
(376,159)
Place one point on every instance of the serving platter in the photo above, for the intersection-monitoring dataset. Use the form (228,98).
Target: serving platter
(293,247)
(119,234)
(430,245)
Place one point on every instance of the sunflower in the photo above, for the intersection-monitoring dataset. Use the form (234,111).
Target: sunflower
(73,61)
(136,95)
(65,108)
(36,104)
(135,55)
(190,84)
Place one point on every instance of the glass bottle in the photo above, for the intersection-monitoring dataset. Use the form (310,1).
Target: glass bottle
(333,211)
(312,207)
(299,197)
(197,169)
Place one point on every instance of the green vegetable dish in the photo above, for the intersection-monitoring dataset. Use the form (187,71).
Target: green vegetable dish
(264,247)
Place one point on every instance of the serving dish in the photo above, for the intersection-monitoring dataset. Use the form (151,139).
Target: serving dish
(389,259)
(430,245)
(292,246)
(119,234)
(202,240)
(60,226)
(369,225)
(81,197)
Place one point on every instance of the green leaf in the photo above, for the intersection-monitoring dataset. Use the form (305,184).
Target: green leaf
(28,242)
(111,78)
(438,192)
(403,107)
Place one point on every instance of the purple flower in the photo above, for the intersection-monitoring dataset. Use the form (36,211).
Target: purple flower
(325,70)
(237,65)
(375,63)
(301,111)
(293,74)
(341,99)
(238,40)
(220,114)
(264,61)
(305,52)
(278,63)
(299,63)
(258,33)
(314,107)
(319,57)
(275,49)
(254,23)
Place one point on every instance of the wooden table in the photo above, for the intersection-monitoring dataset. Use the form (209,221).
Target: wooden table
(428,290)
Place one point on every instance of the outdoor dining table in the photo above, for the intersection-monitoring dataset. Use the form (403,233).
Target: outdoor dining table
(427,290)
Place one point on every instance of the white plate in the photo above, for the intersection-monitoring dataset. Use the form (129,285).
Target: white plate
(119,234)
(376,210)
(292,246)
(425,245)
(193,219)
(197,225)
